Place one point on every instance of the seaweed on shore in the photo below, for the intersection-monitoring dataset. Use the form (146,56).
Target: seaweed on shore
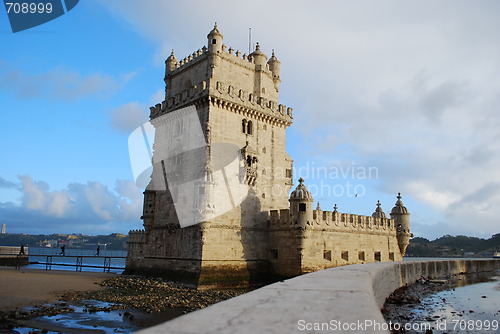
(152,294)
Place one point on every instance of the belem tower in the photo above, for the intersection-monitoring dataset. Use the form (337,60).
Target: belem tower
(218,208)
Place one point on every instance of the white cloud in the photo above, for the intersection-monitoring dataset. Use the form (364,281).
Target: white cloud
(90,204)
(157,97)
(59,83)
(129,116)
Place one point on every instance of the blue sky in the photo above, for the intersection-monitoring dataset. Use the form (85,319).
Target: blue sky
(410,90)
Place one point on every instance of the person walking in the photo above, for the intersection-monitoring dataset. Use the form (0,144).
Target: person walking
(63,250)
(98,250)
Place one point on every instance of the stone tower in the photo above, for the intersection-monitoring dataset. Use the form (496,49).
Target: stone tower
(220,165)
(216,209)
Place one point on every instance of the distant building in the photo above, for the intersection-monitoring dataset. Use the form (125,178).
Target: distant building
(268,233)
(4,228)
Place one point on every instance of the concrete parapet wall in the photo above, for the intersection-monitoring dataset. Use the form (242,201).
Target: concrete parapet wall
(9,256)
(9,251)
(350,295)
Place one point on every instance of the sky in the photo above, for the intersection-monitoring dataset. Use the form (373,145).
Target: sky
(388,97)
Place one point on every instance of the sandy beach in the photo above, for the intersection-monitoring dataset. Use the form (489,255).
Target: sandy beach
(26,287)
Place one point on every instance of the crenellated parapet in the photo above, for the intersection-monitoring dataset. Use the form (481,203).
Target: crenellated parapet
(183,98)
(174,67)
(250,104)
(231,98)
(137,237)
(237,58)
(334,220)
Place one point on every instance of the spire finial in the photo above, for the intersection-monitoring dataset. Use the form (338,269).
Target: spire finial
(215,25)
(399,196)
(172,53)
(257,46)
(301,181)
(335,208)
(318,207)
(378,203)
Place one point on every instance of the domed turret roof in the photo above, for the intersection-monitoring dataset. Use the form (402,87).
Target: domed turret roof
(399,207)
(171,58)
(273,59)
(379,213)
(301,192)
(215,31)
(257,51)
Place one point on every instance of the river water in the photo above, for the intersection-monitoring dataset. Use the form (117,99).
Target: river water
(463,308)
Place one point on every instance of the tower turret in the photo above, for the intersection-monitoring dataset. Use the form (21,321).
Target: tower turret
(215,40)
(259,57)
(401,218)
(170,63)
(301,205)
(379,213)
(274,66)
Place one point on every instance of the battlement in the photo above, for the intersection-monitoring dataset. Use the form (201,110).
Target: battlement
(230,93)
(186,96)
(137,236)
(241,59)
(333,220)
(257,104)
(185,62)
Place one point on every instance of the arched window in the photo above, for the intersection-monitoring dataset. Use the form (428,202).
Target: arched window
(244,126)
(249,161)
(249,127)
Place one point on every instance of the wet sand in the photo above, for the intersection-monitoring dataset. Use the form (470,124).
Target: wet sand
(28,287)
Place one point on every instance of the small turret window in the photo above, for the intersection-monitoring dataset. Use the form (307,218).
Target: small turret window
(302,207)
(214,41)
